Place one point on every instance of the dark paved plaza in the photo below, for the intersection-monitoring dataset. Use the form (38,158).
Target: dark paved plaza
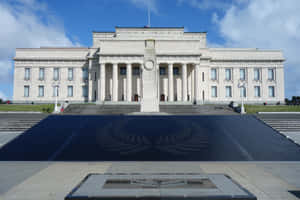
(150,138)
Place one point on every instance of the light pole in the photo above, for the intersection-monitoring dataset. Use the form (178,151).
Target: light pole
(55,85)
(242,85)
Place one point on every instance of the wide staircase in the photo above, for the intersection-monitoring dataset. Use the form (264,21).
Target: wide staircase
(113,109)
(287,124)
(197,109)
(19,122)
(93,109)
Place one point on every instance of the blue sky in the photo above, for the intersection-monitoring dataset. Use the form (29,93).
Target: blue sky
(267,24)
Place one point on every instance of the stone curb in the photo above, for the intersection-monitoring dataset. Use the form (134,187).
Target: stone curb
(20,112)
(298,113)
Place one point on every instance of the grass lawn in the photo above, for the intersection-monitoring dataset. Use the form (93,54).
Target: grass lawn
(251,109)
(45,108)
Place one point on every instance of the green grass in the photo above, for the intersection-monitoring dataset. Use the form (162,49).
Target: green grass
(251,109)
(45,108)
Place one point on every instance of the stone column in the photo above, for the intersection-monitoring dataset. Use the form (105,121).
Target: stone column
(101,83)
(115,82)
(184,82)
(90,81)
(170,78)
(197,83)
(129,82)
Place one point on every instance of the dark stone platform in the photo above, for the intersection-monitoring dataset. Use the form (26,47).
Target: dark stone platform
(159,186)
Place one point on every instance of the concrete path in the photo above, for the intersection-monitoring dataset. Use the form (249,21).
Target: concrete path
(54,180)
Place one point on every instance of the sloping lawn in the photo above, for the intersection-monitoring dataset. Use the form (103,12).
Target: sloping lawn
(45,108)
(251,109)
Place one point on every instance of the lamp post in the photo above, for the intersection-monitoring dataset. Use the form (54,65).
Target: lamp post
(242,84)
(55,85)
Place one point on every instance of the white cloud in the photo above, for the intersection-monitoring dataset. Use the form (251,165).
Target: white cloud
(271,24)
(26,24)
(144,4)
(212,4)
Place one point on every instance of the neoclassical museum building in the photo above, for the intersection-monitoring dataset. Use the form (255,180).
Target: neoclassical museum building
(185,70)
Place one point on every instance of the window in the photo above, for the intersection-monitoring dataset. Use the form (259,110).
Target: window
(213,74)
(70,74)
(214,91)
(27,74)
(257,91)
(41,91)
(84,91)
(136,71)
(256,74)
(26,91)
(242,74)
(271,75)
(42,74)
(228,91)
(271,91)
(176,71)
(203,79)
(162,71)
(56,74)
(228,74)
(70,91)
(55,91)
(243,92)
(85,73)
(122,70)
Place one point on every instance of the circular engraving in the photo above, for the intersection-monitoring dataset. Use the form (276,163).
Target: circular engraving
(149,65)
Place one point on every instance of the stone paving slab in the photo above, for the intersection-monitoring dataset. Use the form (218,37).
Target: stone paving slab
(54,180)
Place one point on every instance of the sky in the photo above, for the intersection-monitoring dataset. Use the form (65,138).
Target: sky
(265,24)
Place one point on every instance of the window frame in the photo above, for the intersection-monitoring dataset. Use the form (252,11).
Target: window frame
(230,74)
(27,76)
(259,91)
(211,74)
(28,91)
(54,73)
(228,87)
(72,87)
(214,88)
(43,89)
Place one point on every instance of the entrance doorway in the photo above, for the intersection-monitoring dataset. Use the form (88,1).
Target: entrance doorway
(136,97)
(162,97)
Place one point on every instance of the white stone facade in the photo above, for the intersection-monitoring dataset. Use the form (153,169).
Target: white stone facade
(187,71)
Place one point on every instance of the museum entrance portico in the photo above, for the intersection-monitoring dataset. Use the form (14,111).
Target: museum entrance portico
(122,81)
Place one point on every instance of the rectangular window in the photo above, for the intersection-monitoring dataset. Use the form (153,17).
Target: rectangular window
(162,71)
(27,74)
(55,91)
(214,91)
(70,91)
(176,71)
(271,91)
(42,74)
(84,91)
(122,70)
(242,74)
(271,75)
(257,91)
(213,74)
(228,74)
(136,71)
(256,74)
(70,74)
(85,73)
(41,91)
(228,91)
(26,91)
(56,74)
(243,92)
